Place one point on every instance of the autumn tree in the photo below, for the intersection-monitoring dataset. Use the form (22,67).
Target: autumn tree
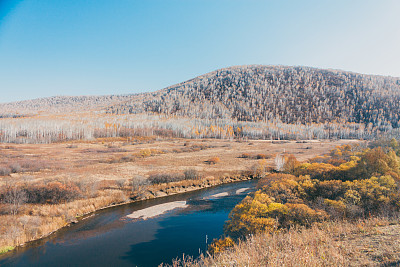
(290,165)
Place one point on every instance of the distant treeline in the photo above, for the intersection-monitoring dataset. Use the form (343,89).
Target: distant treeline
(48,129)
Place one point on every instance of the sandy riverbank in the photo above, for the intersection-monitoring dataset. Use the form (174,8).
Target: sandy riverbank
(156,210)
(239,191)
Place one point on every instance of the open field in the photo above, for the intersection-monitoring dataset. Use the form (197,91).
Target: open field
(116,159)
(87,176)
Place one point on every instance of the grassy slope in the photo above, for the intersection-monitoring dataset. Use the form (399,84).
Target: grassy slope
(371,242)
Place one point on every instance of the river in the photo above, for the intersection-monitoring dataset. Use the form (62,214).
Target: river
(110,238)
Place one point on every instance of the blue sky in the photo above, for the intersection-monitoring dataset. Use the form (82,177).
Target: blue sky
(96,47)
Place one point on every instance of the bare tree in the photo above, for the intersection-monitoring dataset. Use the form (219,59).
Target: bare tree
(14,233)
(14,197)
(139,186)
(191,174)
(120,183)
(279,162)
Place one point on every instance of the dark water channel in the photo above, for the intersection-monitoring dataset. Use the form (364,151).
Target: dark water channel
(109,238)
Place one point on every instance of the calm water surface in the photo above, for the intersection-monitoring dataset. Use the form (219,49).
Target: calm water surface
(109,238)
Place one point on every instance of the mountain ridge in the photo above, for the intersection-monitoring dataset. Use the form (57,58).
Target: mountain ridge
(276,93)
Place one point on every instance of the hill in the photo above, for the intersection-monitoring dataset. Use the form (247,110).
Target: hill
(294,95)
(60,104)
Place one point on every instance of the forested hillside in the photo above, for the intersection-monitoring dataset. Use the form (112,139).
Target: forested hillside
(277,93)
(60,104)
(258,102)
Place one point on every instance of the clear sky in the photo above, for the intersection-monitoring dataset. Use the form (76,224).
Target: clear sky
(96,47)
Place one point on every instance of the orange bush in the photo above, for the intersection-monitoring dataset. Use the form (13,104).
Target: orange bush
(245,155)
(213,160)
(261,156)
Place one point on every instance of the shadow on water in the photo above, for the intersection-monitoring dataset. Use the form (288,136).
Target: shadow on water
(110,238)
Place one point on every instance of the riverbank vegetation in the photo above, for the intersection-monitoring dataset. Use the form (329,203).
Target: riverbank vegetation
(32,211)
(311,208)
(52,185)
(364,242)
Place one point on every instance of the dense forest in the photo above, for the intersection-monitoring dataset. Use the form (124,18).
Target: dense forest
(293,95)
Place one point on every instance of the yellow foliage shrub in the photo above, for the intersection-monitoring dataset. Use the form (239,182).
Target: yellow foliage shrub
(301,214)
(254,214)
(220,245)
(336,206)
(366,184)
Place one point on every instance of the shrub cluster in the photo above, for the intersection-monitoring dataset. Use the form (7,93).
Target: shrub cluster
(144,153)
(213,160)
(52,193)
(252,156)
(245,156)
(41,193)
(189,174)
(22,165)
(220,245)
(109,149)
(261,156)
(161,178)
(365,183)
(192,148)
(4,170)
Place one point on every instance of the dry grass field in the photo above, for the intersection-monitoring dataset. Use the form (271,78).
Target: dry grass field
(369,242)
(121,158)
(84,176)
